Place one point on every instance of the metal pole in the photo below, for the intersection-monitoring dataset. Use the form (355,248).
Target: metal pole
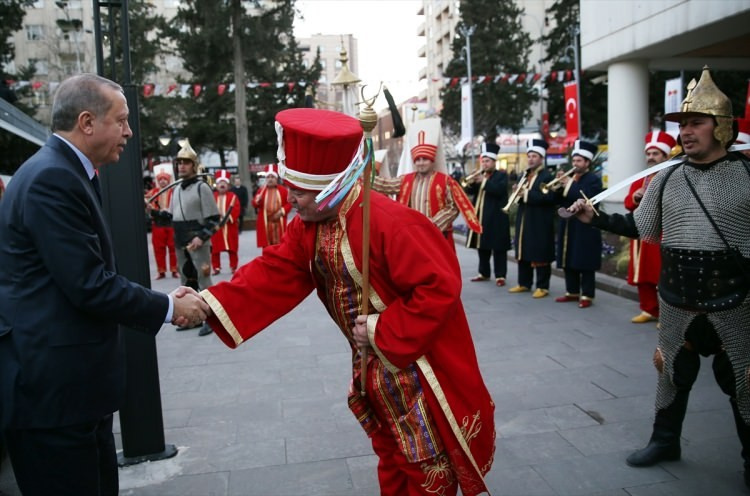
(576,33)
(141,422)
(467,32)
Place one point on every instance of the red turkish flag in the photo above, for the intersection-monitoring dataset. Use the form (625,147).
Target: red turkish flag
(221,89)
(148,90)
(197,90)
(571,110)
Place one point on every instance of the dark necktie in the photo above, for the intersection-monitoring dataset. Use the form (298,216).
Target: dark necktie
(95,183)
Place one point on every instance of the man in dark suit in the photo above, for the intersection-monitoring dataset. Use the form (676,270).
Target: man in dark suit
(61,361)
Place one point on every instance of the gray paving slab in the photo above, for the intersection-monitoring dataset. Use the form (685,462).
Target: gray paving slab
(574,392)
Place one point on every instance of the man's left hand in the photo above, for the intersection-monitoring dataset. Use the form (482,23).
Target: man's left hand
(359,332)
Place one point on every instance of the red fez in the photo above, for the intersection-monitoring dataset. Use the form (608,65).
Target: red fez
(222,175)
(661,141)
(315,145)
(423,149)
(271,170)
(164,175)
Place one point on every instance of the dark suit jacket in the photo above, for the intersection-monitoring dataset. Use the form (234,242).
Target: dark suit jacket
(61,361)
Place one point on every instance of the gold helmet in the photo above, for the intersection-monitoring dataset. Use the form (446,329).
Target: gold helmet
(705,98)
(187,152)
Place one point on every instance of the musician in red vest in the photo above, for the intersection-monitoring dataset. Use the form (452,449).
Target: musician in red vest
(273,208)
(162,234)
(645,257)
(427,187)
(227,237)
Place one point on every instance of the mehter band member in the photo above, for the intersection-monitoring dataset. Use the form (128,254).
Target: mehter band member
(702,219)
(426,407)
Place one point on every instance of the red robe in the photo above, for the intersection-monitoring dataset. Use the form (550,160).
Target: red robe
(417,316)
(162,237)
(645,257)
(268,201)
(440,184)
(227,238)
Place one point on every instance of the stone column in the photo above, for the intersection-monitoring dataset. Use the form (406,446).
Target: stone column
(627,124)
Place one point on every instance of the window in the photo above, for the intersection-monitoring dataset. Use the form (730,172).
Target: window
(34,32)
(171,4)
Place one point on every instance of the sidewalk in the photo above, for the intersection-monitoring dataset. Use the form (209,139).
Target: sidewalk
(573,388)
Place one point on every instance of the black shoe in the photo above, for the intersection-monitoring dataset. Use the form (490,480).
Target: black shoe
(657,451)
(747,477)
(187,327)
(205,330)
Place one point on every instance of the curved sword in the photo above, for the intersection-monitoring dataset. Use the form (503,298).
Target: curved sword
(647,172)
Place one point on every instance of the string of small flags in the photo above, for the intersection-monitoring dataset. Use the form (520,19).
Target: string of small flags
(508,78)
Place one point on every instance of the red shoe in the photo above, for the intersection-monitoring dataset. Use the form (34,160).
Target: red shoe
(160,276)
(585,302)
(567,297)
(500,281)
(175,275)
(234,269)
(217,272)
(478,278)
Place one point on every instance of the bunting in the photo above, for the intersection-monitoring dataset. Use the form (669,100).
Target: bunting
(509,78)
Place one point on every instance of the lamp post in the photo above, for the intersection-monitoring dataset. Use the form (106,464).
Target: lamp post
(76,25)
(541,84)
(574,33)
(348,82)
(467,32)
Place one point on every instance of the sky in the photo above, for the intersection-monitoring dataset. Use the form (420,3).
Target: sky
(386,32)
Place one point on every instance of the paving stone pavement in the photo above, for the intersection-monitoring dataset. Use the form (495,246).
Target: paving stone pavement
(574,391)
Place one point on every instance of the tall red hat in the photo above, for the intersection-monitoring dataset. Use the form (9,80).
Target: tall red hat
(272,170)
(661,141)
(222,175)
(315,145)
(164,175)
(743,137)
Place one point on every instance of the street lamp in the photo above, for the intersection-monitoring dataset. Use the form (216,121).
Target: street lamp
(467,32)
(348,82)
(541,71)
(71,24)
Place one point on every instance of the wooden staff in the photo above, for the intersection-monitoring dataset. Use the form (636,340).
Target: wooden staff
(367,119)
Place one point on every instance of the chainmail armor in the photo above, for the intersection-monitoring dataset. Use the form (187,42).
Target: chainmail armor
(723,188)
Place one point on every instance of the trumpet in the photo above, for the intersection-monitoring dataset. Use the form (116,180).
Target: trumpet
(515,196)
(465,180)
(555,183)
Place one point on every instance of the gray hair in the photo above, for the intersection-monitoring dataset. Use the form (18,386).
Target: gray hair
(77,94)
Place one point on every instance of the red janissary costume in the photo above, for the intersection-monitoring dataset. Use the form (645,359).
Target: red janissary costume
(427,409)
(162,234)
(645,258)
(268,201)
(227,238)
(437,195)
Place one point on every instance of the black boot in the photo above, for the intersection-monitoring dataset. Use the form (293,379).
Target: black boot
(205,330)
(664,444)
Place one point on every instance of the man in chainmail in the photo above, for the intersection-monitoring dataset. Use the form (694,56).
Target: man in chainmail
(702,218)
(195,217)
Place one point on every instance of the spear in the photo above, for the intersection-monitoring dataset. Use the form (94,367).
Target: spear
(367,119)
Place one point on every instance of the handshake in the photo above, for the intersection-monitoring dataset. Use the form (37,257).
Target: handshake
(189,308)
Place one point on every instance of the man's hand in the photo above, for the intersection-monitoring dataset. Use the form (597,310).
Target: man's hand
(359,332)
(189,307)
(194,244)
(583,210)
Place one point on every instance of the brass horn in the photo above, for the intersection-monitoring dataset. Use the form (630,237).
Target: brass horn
(516,196)
(555,183)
